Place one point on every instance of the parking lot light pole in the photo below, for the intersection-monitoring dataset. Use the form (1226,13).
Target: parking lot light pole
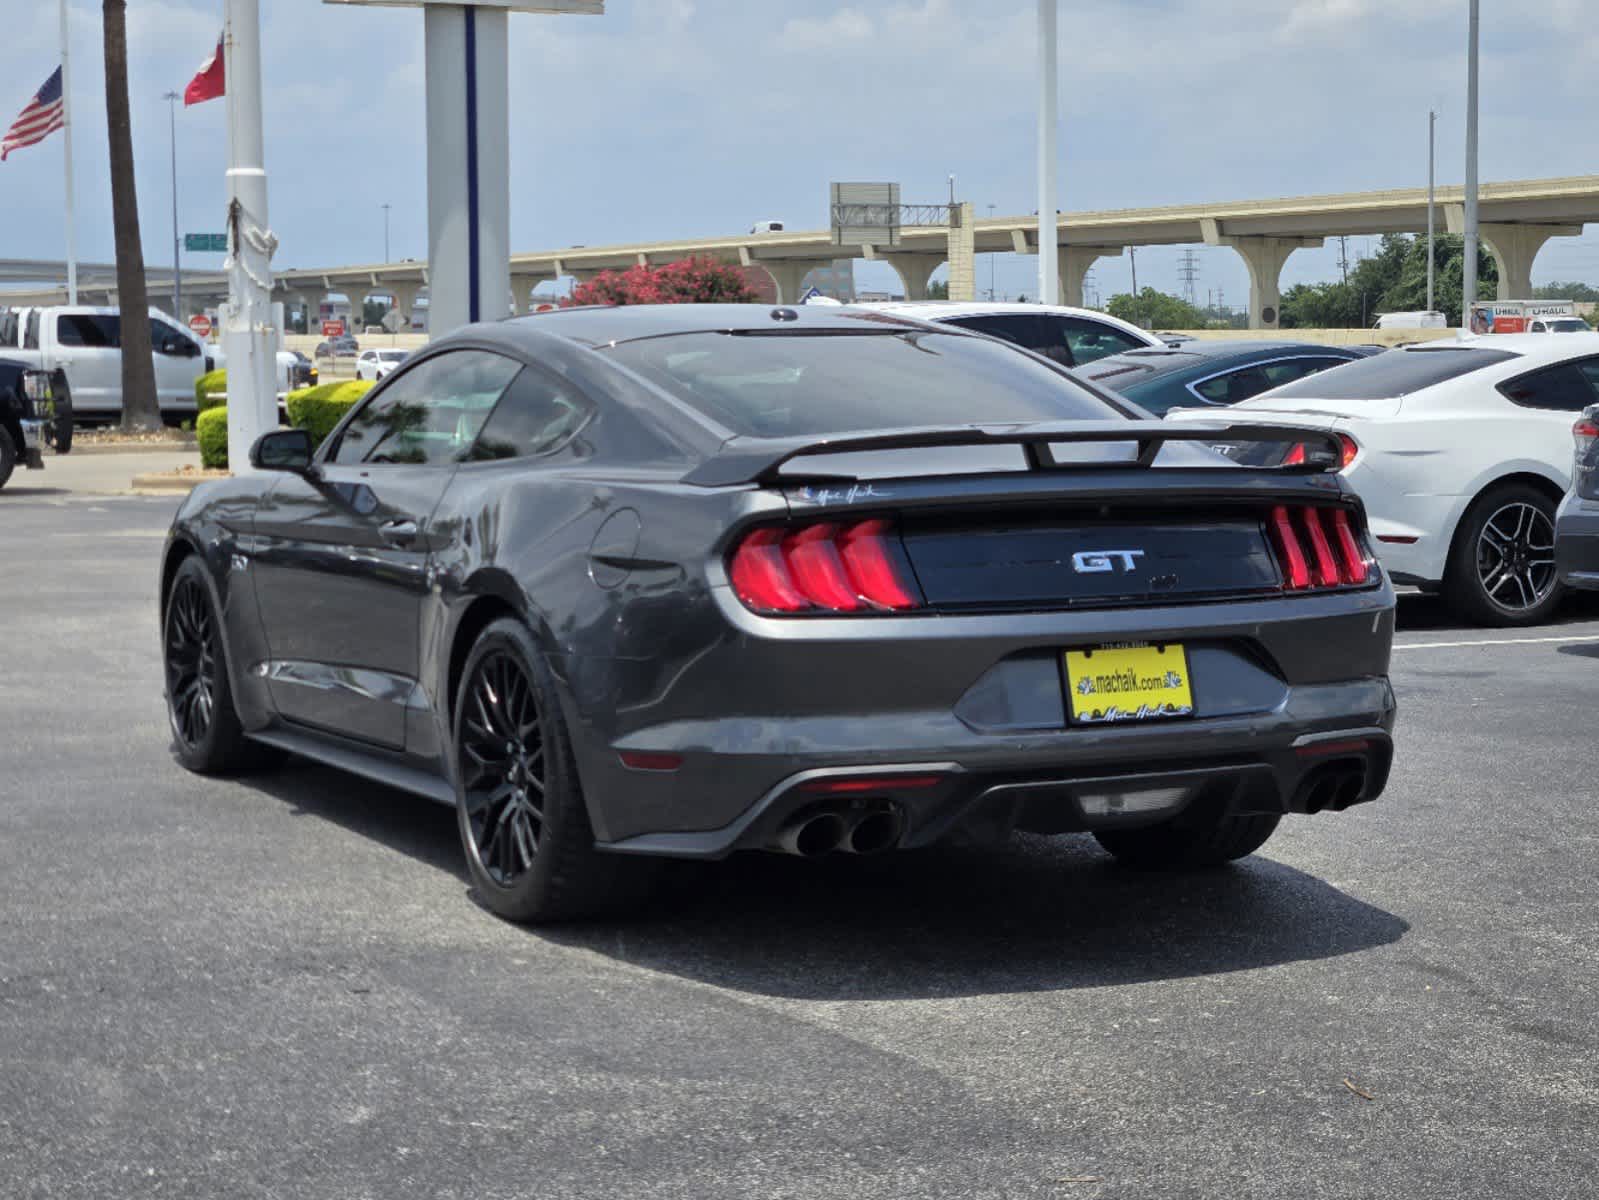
(1048,123)
(1468,283)
(248,333)
(1432,131)
(177,270)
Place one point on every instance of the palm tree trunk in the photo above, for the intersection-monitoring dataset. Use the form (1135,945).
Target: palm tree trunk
(141,409)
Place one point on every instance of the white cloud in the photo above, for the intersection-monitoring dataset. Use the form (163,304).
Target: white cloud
(847,26)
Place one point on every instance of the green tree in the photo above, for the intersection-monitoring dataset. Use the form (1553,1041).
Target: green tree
(1152,309)
(938,290)
(1580,292)
(1408,292)
(373,312)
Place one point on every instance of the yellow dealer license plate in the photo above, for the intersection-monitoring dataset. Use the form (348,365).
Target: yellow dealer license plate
(1129,682)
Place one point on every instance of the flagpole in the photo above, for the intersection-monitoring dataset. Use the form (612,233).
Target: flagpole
(66,128)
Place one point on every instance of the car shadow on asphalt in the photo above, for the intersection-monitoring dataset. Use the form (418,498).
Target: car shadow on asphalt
(1037,914)
(1421,613)
(20,493)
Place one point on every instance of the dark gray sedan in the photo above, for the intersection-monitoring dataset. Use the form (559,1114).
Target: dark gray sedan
(1577,522)
(1201,372)
(632,583)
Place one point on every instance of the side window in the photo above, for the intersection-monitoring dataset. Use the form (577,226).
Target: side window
(165,339)
(1566,387)
(429,414)
(1291,369)
(91,330)
(1235,386)
(1088,340)
(8,328)
(537,414)
(32,336)
(1020,328)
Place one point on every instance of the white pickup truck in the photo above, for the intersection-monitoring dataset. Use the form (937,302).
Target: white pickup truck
(86,343)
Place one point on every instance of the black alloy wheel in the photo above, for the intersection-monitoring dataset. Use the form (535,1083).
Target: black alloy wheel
(520,809)
(192,659)
(1502,566)
(502,767)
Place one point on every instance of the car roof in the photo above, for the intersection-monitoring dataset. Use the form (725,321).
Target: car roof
(1163,360)
(935,310)
(604,324)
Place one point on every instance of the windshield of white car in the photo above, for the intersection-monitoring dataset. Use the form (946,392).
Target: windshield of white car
(1389,376)
(1574,325)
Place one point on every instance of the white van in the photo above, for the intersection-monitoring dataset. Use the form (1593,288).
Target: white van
(767,227)
(86,342)
(1412,320)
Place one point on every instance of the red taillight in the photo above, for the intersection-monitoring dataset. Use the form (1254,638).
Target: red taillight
(825,566)
(760,576)
(1298,573)
(1351,556)
(817,568)
(650,760)
(1318,547)
(871,566)
(1295,456)
(1349,447)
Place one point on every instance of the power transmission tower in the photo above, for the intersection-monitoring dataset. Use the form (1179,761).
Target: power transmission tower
(1189,274)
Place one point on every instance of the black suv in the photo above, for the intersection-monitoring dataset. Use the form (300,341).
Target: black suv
(35,411)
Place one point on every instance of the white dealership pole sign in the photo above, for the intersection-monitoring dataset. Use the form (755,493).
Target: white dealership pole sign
(469,146)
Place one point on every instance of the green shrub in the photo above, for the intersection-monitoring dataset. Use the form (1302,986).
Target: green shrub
(211,389)
(211,431)
(318,409)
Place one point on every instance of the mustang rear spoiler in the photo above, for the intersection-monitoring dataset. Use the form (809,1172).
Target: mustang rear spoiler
(761,460)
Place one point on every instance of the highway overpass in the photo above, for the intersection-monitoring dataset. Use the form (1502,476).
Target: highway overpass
(1517,218)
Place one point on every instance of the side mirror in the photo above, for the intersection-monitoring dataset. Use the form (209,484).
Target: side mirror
(283,450)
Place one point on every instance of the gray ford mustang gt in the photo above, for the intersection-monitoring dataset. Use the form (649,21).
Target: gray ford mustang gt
(632,583)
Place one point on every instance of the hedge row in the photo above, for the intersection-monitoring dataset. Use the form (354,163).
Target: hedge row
(317,409)
(211,389)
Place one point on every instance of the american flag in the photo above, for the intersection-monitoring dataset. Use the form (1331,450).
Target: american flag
(42,117)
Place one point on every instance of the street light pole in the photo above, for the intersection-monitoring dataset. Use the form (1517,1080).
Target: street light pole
(177,270)
(1048,122)
(1468,290)
(991,259)
(1432,130)
(385,208)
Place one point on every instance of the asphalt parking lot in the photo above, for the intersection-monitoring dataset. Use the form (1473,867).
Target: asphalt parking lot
(281,986)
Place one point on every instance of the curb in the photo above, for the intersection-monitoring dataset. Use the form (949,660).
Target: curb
(166,484)
(133,447)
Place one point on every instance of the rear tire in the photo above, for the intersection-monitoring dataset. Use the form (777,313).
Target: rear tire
(1205,834)
(523,821)
(8,456)
(207,736)
(1501,568)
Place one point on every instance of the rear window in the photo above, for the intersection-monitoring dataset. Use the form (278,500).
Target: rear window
(95,330)
(781,384)
(1391,375)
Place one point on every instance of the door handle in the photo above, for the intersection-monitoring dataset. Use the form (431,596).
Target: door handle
(398,533)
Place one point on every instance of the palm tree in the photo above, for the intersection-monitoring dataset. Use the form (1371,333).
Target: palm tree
(141,410)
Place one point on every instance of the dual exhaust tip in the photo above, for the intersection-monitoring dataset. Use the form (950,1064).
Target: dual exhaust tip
(849,831)
(1334,788)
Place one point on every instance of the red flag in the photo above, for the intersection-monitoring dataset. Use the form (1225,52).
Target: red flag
(208,82)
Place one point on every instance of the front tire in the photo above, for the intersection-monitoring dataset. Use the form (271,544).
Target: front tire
(1502,567)
(1205,834)
(207,736)
(519,804)
(8,456)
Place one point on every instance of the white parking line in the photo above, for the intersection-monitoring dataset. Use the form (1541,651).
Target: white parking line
(1538,641)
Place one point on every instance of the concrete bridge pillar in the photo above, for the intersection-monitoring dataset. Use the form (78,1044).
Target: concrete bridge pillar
(1074,264)
(789,274)
(914,270)
(404,295)
(523,286)
(1264,257)
(963,253)
(1513,246)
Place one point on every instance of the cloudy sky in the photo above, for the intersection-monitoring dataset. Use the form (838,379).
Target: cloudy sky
(670,118)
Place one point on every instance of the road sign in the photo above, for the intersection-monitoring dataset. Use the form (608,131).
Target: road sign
(393,321)
(200,326)
(206,243)
(332,328)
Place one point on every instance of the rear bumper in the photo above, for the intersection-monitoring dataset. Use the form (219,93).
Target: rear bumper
(1577,542)
(979,700)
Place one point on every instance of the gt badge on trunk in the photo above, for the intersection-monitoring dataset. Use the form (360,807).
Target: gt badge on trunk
(1129,682)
